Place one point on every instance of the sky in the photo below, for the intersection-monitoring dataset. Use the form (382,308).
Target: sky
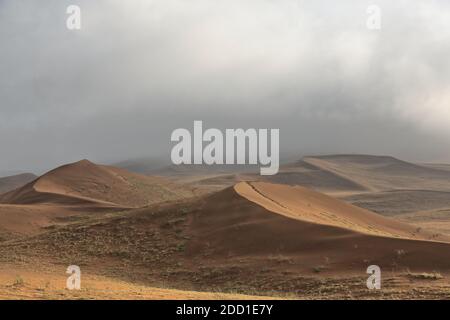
(138,69)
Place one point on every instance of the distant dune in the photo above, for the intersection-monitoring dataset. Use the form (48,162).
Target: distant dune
(339,175)
(381,173)
(439,166)
(307,174)
(12,182)
(85,183)
(382,184)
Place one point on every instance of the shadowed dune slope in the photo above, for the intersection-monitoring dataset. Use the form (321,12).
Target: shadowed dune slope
(86,183)
(13,182)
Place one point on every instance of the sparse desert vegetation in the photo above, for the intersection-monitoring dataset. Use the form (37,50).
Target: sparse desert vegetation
(251,240)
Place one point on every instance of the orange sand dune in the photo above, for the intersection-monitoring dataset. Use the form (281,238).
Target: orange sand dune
(254,219)
(85,183)
(307,205)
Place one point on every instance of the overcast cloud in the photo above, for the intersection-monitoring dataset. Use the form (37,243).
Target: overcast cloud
(139,69)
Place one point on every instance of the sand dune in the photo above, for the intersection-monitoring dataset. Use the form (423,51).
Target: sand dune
(13,182)
(253,236)
(262,218)
(381,184)
(85,183)
(381,173)
(76,190)
(344,175)
(308,175)
(337,175)
(306,205)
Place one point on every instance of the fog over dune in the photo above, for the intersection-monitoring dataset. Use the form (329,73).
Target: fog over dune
(139,69)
